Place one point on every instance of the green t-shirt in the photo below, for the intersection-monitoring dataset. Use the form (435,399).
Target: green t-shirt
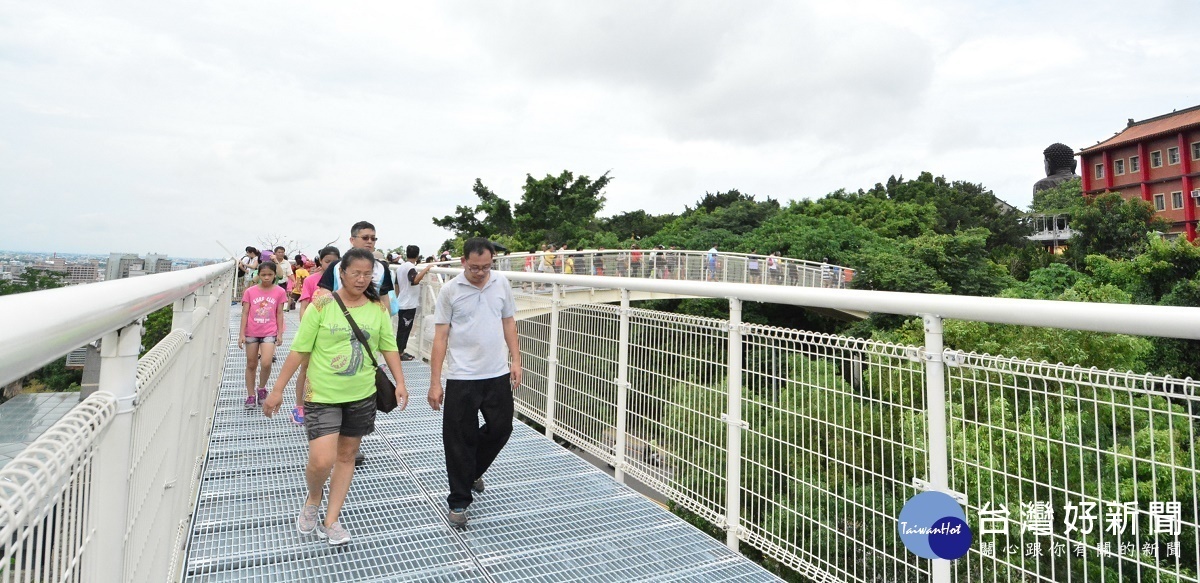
(339,371)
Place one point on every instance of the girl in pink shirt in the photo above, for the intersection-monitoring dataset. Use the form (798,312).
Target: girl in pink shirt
(262,326)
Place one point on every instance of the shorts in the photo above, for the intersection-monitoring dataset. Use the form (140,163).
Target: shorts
(353,419)
(262,339)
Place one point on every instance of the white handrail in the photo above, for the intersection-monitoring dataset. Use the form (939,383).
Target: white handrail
(42,326)
(1141,320)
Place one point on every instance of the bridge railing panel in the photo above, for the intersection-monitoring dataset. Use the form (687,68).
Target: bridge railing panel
(676,438)
(1074,474)
(106,494)
(834,435)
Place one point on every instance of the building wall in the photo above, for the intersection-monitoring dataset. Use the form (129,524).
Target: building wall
(1164,179)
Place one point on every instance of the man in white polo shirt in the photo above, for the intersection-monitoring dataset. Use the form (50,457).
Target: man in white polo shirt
(475,325)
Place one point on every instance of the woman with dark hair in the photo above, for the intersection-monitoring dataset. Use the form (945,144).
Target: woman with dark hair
(325,257)
(262,326)
(339,402)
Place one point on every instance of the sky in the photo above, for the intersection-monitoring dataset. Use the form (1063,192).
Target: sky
(195,129)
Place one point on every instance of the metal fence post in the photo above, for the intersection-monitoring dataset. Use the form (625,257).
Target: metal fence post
(622,387)
(935,398)
(733,458)
(110,510)
(552,360)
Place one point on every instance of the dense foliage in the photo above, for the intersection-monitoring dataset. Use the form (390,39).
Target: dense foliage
(928,235)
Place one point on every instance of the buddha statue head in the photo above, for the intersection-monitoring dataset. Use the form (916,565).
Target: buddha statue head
(1060,159)
(1060,167)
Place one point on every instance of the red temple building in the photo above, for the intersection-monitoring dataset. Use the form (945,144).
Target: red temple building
(1157,160)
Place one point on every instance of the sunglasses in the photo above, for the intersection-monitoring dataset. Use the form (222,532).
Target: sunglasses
(368,237)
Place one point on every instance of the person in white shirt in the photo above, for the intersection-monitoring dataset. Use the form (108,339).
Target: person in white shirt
(475,323)
(408,295)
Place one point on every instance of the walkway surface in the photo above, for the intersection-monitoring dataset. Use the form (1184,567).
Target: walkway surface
(546,515)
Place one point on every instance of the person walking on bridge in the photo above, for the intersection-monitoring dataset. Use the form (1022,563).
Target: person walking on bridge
(408,294)
(338,334)
(362,236)
(475,322)
(262,327)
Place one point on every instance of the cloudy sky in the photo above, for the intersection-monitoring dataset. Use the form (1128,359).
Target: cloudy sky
(167,126)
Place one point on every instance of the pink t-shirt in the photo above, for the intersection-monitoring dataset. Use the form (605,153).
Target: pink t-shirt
(309,287)
(264,306)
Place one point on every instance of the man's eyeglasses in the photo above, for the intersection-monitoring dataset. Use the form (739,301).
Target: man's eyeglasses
(368,237)
(479,268)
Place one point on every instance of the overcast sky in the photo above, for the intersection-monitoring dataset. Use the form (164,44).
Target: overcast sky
(168,126)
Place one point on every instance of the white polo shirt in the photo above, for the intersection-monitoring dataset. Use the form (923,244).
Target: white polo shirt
(476,348)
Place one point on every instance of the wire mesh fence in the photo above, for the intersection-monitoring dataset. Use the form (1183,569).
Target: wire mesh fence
(835,438)
(1074,474)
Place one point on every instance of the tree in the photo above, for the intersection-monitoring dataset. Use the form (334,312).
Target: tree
(466,222)
(1065,197)
(33,279)
(1109,225)
(559,208)
(634,224)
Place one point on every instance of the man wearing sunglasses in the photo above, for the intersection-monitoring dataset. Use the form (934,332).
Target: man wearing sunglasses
(362,236)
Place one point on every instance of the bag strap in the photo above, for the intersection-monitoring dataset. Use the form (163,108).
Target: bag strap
(358,333)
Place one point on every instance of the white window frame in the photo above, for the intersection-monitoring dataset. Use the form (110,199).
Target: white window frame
(1119,167)
(1160,202)
(1153,155)
(1099,171)
(1195,151)
(1174,150)
(1135,164)
(1177,196)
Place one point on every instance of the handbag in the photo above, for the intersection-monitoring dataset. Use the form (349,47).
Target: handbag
(385,390)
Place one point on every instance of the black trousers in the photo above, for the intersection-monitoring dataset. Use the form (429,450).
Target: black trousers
(404,328)
(470,447)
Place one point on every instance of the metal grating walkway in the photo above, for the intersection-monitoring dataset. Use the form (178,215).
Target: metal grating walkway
(546,516)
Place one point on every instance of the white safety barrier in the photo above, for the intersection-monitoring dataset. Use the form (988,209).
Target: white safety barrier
(106,494)
(806,446)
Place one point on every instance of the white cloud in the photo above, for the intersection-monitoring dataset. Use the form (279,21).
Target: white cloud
(131,125)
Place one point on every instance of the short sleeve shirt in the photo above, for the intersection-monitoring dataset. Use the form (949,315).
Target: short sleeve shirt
(339,369)
(409,295)
(309,287)
(264,308)
(476,347)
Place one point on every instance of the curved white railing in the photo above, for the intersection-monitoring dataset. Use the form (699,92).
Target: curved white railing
(678,265)
(105,494)
(806,446)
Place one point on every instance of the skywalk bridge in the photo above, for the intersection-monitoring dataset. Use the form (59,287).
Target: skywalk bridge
(800,446)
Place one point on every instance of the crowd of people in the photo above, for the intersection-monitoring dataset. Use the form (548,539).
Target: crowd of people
(346,303)
(663,262)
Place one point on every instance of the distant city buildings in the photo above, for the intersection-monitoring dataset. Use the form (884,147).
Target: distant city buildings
(123,265)
(1157,160)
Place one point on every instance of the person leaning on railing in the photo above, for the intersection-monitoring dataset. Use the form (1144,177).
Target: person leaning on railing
(339,406)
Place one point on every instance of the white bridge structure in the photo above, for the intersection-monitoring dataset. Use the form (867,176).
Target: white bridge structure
(798,448)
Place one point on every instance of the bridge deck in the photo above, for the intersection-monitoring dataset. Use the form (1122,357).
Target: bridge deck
(546,516)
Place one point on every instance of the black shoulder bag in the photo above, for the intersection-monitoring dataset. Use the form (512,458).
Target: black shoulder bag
(385,390)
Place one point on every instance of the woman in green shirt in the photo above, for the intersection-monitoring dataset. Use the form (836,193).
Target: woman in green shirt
(339,404)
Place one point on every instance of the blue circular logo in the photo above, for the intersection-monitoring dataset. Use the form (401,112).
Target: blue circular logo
(933,526)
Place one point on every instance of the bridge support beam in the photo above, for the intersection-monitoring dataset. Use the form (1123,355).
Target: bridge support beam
(118,375)
(552,361)
(935,398)
(733,457)
(622,388)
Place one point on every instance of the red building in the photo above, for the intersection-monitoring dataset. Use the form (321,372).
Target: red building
(1157,160)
